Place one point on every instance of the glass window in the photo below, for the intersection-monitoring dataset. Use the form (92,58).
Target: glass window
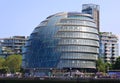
(78,22)
(78,28)
(77,35)
(78,49)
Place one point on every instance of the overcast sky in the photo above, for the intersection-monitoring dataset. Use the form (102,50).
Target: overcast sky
(20,17)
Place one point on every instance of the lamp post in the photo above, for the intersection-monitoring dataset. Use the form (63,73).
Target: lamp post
(70,71)
(34,72)
(50,72)
(108,68)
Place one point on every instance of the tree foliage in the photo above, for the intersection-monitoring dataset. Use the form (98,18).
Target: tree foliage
(13,63)
(117,64)
(100,65)
(2,62)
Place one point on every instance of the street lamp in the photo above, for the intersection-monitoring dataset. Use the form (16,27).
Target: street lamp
(108,68)
(70,71)
(50,72)
(34,72)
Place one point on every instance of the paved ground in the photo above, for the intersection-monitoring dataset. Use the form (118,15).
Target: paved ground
(39,80)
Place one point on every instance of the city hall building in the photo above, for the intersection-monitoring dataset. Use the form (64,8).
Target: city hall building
(66,40)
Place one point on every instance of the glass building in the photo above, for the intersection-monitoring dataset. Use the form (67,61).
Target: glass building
(63,40)
(109,47)
(12,45)
(94,10)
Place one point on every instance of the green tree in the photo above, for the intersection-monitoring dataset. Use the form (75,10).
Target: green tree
(3,68)
(117,64)
(13,62)
(108,66)
(100,65)
(2,63)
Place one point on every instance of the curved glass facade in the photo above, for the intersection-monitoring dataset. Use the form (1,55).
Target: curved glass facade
(63,40)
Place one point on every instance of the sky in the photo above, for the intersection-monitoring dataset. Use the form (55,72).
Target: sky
(20,17)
